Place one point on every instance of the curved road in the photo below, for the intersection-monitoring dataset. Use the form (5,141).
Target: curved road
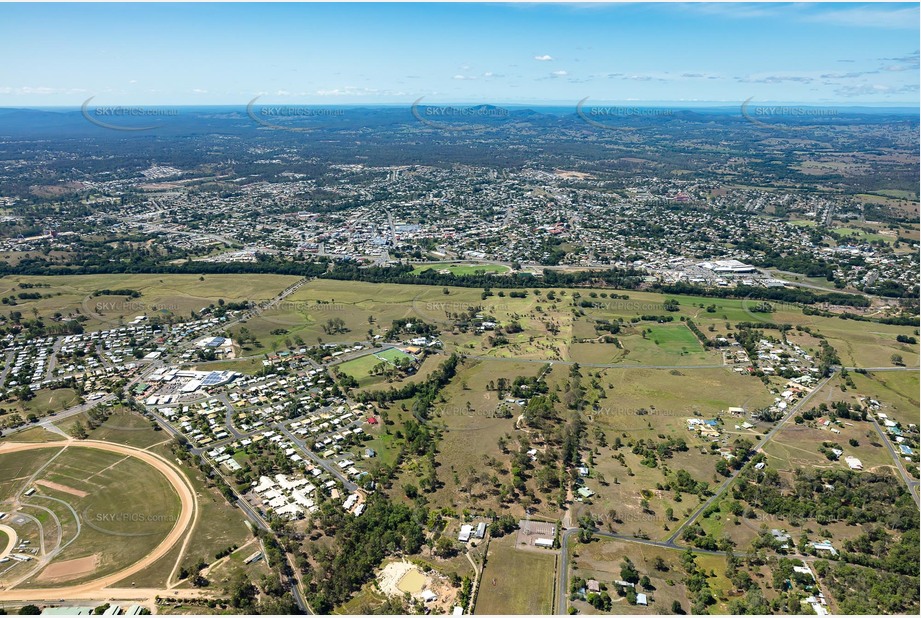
(12,538)
(94,588)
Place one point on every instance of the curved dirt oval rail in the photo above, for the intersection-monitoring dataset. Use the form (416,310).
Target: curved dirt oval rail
(11,540)
(188,503)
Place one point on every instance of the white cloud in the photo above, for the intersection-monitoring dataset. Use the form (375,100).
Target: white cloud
(863,16)
(876,89)
(26,90)
(559,74)
(544,58)
(351,91)
(879,16)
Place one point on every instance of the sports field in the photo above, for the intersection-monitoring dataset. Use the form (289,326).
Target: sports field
(362,368)
(392,355)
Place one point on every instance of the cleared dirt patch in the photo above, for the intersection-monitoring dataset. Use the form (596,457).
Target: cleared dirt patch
(412,582)
(390,577)
(69,569)
(64,488)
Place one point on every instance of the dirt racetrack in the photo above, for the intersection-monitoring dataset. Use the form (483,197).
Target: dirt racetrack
(188,509)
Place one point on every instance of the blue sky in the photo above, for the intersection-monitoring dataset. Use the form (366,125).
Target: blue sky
(204,54)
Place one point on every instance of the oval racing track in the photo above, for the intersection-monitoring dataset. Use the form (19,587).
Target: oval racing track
(187,512)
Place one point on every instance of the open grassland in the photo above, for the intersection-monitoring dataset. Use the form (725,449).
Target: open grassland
(863,234)
(516,581)
(48,401)
(34,434)
(124,426)
(305,312)
(674,394)
(72,295)
(474,420)
(556,323)
(667,344)
(15,470)
(44,403)
(654,405)
(551,328)
(897,392)
(739,529)
(249,366)
(867,344)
